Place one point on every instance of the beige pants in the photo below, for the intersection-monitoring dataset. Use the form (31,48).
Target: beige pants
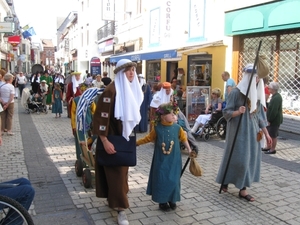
(6,117)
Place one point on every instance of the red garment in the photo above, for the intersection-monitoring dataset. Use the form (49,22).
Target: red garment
(267,92)
(70,95)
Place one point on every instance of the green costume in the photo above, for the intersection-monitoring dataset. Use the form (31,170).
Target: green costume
(49,82)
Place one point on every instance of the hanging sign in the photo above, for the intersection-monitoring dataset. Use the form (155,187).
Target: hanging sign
(95,66)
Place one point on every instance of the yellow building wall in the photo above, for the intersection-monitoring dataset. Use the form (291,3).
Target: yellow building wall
(218,65)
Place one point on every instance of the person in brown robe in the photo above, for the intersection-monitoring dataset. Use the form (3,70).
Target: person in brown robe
(112,109)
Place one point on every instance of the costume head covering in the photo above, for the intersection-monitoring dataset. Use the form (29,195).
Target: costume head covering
(43,81)
(274,85)
(166,85)
(129,98)
(161,97)
(76,82)
(142,80)
(165,109)
(256,91)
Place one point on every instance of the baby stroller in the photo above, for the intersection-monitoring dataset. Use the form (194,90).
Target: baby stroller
(33,103)
(183,122)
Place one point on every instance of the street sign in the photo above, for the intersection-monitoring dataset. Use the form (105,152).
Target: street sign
(6,27)
(10,19)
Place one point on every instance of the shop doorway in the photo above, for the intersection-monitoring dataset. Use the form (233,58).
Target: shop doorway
(171,70)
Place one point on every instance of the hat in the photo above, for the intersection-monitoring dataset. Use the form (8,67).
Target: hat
(75,73)
(166,85)
(122,64)
(274,86)
(43,81)
(98,75)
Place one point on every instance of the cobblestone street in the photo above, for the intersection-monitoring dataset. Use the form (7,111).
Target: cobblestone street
(43,150)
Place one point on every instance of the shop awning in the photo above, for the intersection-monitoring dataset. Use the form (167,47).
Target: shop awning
(145,55)
(188,49)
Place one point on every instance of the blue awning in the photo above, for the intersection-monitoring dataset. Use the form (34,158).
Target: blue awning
(145,55)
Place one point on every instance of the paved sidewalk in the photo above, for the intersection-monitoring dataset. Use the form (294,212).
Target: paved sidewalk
(277,195)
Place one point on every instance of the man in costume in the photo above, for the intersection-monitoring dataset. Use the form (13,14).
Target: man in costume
(117,113)
(165,95)
(144,110)
(49,82)
(73,89)
(244,165)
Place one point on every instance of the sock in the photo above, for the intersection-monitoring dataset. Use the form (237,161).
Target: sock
(195,127)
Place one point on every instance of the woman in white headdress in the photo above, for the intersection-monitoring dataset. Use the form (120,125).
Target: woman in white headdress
(117,113)
(244,165)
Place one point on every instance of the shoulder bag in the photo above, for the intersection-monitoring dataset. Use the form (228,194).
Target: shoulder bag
(126,151)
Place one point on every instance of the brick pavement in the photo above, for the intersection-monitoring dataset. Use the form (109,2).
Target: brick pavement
(277,195)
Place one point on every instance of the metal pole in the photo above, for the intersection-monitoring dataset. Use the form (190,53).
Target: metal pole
(240,119)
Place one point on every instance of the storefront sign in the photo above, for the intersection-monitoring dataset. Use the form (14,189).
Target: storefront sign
(108,11)
(197,16)
(168,17)
(154,26)
(95,66)
(7,27)
(106,46)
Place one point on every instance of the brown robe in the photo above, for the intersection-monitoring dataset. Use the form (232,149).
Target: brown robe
(111,182)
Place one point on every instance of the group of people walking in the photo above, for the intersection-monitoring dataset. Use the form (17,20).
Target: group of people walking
(127,104)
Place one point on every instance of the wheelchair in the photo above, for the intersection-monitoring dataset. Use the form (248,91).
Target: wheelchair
(215,126)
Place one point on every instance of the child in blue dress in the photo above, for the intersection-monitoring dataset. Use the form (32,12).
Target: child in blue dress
(57,97)
(164,178)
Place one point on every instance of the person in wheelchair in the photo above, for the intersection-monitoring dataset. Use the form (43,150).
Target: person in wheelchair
(213,111)
(20,190)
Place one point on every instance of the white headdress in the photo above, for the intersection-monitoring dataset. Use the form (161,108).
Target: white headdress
(129,98)
(256,92)
(76,82)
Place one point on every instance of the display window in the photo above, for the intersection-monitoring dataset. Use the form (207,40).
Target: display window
(199,70)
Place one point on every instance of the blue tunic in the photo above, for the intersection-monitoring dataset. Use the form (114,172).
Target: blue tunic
(144,109)
(57,105)
(164,178)
(244,166)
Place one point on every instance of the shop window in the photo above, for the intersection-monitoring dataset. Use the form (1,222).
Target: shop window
(199,70)
(153,71)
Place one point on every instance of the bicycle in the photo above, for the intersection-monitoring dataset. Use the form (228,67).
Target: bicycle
(13,213)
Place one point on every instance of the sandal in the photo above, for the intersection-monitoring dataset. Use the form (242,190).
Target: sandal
(10,133)
(248,197)
(224,187)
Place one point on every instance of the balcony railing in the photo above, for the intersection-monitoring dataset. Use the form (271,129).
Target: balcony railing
(107,30)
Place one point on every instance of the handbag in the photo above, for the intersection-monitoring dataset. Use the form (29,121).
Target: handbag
(195,167)
(126,151)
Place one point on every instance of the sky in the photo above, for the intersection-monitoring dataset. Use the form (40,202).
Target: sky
(42,14)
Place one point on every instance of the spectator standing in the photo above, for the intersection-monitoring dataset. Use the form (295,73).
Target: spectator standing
(230,84)
(7,94)
(21,82)
(165,171)
(106,80)
(274,116)
(245,162)
(97,82)
(35,82)
(15,84)
(117,113)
